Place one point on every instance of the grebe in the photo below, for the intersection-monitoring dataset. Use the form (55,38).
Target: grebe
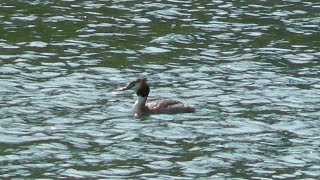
(163,106)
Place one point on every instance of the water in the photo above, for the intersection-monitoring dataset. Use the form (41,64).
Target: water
(250,68)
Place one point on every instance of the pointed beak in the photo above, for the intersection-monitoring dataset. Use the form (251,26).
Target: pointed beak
(129,86)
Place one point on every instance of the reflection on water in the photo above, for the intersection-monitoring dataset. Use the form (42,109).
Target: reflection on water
(250,68)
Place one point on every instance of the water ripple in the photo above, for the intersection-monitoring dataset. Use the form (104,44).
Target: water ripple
(251,71)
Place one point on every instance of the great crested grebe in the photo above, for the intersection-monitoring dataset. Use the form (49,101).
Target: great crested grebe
(163,106)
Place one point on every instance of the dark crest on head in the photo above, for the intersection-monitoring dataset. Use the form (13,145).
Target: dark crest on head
(144,87)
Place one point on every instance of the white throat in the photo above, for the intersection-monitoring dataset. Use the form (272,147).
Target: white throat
(139,105)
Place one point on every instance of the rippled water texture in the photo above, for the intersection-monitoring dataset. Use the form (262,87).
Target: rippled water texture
(251,69)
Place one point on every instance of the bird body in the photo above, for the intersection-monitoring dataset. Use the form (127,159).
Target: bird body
(161,106)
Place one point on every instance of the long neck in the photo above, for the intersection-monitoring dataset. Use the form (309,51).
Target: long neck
(139,105)
(142,96)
